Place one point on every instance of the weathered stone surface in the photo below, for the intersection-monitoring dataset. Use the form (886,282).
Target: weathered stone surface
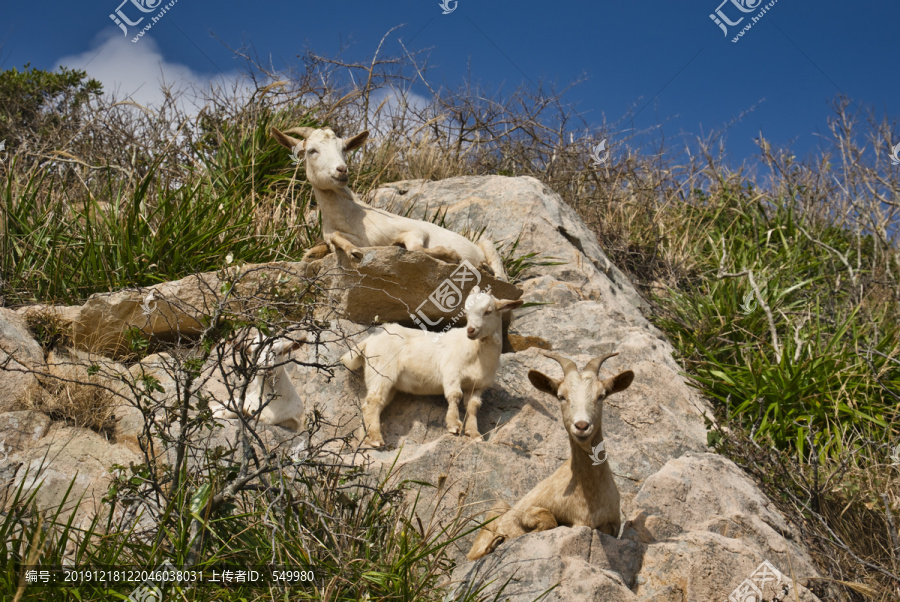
(65,454)
(22,352)
(697,525)
(389,284)
(586,308)
(523,208)
(562,564)
(20,430)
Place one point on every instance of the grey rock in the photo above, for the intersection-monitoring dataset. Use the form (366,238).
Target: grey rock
(19,352)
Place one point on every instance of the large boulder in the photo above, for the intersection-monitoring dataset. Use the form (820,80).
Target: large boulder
(654,430)
(389,284)
(50,458)
(19,353)
(697,528)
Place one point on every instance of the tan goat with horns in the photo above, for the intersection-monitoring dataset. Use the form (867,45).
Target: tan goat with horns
(581,491)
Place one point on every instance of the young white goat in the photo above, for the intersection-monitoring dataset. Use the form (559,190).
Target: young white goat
(271,387)
(581,491)
(349,224)
(460,364)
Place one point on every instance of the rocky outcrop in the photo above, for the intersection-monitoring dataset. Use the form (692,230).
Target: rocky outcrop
(19,352)
(47,458)
(389,284)
(696,527)
(654,430)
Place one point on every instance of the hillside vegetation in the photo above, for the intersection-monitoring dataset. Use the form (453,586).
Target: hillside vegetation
(778,280)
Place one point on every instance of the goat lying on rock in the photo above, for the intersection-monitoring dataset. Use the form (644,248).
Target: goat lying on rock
(270,387)
(581,491)
(349,224)
(461,364)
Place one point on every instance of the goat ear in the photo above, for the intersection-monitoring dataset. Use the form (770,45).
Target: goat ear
(355,142)
(288,142)
(542,382)
(507,304)
(618,383)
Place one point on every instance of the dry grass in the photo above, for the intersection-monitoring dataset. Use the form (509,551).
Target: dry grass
(75,397)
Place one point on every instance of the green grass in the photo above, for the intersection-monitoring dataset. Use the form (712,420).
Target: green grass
(63,243)
(356,537)
(814,380)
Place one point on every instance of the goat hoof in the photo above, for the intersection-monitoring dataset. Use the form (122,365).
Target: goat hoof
(356,254)
(373,443)
(475,435)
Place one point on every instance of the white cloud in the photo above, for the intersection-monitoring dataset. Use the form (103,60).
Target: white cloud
(138,70)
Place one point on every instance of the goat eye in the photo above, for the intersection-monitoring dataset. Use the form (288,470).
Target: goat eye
(311,151)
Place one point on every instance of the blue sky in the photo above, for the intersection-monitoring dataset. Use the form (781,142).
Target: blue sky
(667,59)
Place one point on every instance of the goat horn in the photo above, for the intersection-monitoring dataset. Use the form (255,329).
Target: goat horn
(567,364)
(303,132)
(594,364)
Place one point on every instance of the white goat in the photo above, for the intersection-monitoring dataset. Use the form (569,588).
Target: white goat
(581,491)
(349,224)
(271,388)
(460,364)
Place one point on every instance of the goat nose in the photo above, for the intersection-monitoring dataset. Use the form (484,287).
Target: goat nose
(470,330)
(581,425)
(342,169)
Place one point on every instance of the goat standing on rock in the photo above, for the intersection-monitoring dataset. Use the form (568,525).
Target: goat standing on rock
(581,492)
(461,364)
(348,224)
